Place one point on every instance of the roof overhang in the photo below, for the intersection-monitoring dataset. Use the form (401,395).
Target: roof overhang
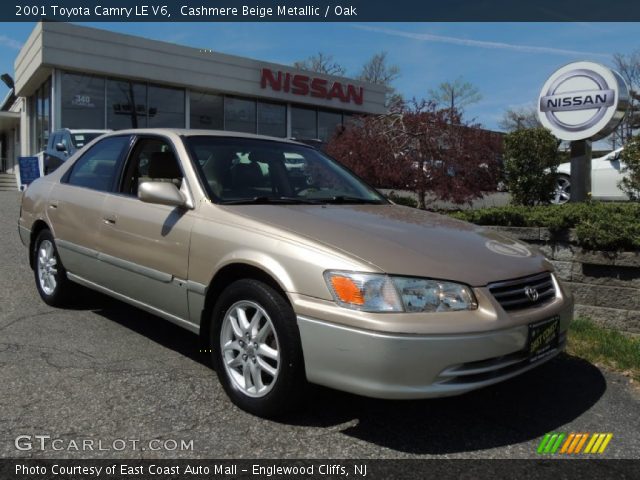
(9,120)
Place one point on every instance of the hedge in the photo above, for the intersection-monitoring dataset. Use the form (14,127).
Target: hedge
(598,225)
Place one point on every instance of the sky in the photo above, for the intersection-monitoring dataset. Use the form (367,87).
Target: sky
(507,62)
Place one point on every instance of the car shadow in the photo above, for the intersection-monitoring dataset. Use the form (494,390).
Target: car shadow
(139,321)
(515,411)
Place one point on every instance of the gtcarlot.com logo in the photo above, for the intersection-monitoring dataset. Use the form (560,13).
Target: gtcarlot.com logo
(574,443)
(46,442)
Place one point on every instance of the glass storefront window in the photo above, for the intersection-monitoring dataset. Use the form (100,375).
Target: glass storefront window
(40,112)
(304,123)
(272,119)
(240,114)
(166,107)
(328,122)
(206,111)
(126,105)
(82,101)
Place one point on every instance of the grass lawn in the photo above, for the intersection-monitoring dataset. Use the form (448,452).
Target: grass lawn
(605,347)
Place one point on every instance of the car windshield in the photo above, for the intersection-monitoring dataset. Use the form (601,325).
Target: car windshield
(240,170)
(79,140)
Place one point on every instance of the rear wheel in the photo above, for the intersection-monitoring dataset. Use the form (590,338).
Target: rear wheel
(562,192)
(256,348)
(51,278)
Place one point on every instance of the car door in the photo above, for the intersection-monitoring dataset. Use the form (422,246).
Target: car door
(605,176)
(144,246)
(74,206)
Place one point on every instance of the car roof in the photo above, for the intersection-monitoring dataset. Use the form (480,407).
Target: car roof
(204,133)
(85,130)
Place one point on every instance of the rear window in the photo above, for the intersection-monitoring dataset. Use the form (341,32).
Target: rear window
(79,140)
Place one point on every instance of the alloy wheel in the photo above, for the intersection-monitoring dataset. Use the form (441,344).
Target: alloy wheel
(47,266)
(562,192)
(250,348)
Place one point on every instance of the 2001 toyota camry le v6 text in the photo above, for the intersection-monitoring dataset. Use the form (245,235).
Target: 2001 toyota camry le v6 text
(291,267)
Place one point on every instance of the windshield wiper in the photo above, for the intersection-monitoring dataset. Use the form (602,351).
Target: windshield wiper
(271,201)
(346,199)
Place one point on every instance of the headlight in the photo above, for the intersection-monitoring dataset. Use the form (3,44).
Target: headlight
(370,292)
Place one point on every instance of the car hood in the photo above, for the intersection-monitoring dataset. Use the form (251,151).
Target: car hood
(406,241)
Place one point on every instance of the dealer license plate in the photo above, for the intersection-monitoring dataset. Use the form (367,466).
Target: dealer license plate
(543,338)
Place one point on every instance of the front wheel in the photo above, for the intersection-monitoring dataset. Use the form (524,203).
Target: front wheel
(256,348)
(50,275)
(562,192)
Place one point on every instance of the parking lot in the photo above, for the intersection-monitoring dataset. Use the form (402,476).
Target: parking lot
(103,371)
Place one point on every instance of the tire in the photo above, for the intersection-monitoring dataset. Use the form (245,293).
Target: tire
(51,278)
(562,192)
(263,373)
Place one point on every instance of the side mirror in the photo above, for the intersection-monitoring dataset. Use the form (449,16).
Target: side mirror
(60,147)
(162,193)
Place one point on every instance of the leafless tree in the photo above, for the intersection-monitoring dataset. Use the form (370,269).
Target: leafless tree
(378,71)
(629,67)
(519,118)
(321,63)
(455,96)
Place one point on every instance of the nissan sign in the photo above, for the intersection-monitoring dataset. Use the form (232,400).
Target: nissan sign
(305,85)
(583,100)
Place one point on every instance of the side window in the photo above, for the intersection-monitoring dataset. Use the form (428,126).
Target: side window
(152,160)
(96,169)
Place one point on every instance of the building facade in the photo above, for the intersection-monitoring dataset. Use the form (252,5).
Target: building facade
(70,76)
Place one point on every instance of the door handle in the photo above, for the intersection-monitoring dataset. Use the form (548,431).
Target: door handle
(53,205)
(109,219)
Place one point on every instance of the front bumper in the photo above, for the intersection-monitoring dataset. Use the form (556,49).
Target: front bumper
(405,366)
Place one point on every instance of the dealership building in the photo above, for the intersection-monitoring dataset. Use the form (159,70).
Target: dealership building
(70,76)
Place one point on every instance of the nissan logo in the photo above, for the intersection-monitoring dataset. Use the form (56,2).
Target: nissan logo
(583,100)
(531,293)
(562,98)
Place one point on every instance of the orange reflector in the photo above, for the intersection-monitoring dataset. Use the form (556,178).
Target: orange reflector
(347,291)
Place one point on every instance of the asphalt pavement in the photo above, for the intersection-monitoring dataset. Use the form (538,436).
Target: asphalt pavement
(109,373)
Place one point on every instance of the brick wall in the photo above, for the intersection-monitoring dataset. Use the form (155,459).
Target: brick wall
(606,285)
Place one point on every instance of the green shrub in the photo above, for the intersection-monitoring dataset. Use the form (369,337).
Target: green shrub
(630,157)
(598,226)
(402,200)
(531,157)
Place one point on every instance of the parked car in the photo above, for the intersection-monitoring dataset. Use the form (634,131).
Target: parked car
(291,271)
(605,176)
(65,142)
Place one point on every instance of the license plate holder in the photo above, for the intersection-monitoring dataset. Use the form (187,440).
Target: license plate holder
(543,338)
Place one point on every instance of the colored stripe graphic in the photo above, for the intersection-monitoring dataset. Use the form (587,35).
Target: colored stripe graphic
(591,442)
(606,441)
(543,443)
(596,446)
(555,447)
(581,444)
(567,443)
(574,443)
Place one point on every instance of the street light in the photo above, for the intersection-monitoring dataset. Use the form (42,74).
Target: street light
(8,81)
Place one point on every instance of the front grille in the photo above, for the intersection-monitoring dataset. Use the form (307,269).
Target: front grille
(494,368)
(512,294)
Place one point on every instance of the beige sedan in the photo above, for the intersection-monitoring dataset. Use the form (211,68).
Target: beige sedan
(291,267)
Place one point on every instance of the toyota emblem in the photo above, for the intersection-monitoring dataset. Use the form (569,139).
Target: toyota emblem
(531,293)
